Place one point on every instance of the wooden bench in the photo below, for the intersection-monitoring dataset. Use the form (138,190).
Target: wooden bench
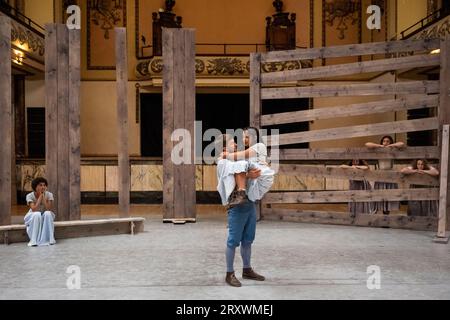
(77,229)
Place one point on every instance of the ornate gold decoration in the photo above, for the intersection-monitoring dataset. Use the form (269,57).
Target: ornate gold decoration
(26,37)
(199,66)
(281,66)
(225,66)
(106,14)
(341,12)
(157,65)
(219,66)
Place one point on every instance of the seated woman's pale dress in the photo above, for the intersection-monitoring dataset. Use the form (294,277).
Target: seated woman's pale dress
(40,227)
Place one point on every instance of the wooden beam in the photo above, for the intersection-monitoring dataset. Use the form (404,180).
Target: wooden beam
(190,193)
(352,196)
(74,125)
(358,131)
(255,90)
(255,100)
(359,153)
(178,116)
(5,120)
(77,229)
(358,109)
(444,193)
(63,192)
(444,108)
(351,50)
(381,65)
(371,89)
(168,123)
(357,174)
(122,121)
(343,218)
(51,111)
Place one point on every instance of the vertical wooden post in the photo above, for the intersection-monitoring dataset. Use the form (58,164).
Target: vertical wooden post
(63,195)
(444,104)
(62,133)
(255,102)
(5,120)
(51,112)
(443,192)
(178,117)
(122,121)
(190,193)
(74,125)
(168,124)
(179,113)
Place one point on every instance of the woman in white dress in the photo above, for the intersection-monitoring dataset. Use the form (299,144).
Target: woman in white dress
(39,219)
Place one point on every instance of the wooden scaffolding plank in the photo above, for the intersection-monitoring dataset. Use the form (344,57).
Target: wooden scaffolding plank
(360,153)
(63,210)
(382,65)
(74,124)
(443,195)
(444,107)
(358,109)
(6,118)
(122,121)
(353,196)
(190,194)
(357,174)
(371,89)
(343,218)
(352,50)
(255,90)
(178,114)
(168,123)
(51,111)
(255,100)
(357,131)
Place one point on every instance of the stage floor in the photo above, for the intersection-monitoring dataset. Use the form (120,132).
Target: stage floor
(300,261)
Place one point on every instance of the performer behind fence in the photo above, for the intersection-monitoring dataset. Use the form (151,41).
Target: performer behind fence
(39,219)
(359,207)
(427,208)
(386,164)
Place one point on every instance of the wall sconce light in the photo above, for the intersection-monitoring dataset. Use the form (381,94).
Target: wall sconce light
(18,58)
(437,51)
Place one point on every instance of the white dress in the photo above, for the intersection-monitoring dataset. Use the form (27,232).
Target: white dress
(256,188)
(39,223)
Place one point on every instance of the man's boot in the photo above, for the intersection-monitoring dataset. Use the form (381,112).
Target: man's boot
(248,273)
(232,280)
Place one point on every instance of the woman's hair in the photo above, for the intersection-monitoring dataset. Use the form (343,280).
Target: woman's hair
(222,141)
(255,131)
(390,139)
(426,166)
(37,182)
(360,163)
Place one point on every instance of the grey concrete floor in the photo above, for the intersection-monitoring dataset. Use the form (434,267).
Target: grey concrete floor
(300,261)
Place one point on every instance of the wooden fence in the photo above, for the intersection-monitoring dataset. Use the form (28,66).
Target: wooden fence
(397,55)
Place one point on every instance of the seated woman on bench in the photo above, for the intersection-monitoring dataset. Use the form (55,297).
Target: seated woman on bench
(39,219)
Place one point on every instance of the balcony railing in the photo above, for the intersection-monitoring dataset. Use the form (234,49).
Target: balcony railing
(425,23)
(16,15)
(217,49)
